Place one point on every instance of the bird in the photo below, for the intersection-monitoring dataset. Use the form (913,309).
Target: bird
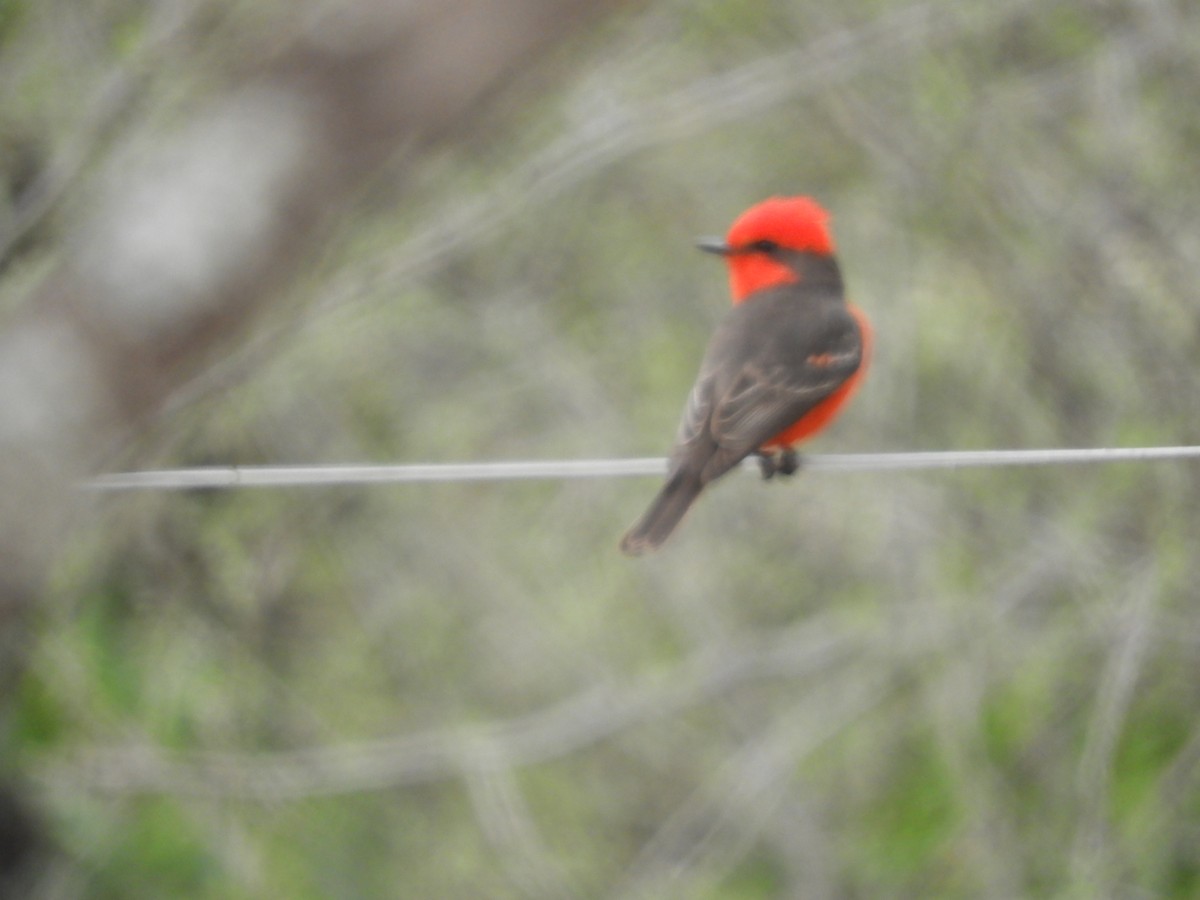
(780,366)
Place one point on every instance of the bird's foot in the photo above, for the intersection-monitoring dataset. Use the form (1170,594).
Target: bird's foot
(766,464)
(789,461)
(785,462)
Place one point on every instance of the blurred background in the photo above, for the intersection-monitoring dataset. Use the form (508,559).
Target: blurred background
(269,232)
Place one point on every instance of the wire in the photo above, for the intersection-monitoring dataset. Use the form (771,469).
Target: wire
(228,477)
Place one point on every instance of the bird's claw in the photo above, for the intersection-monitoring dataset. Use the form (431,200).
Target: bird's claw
(785,462)
(766,465)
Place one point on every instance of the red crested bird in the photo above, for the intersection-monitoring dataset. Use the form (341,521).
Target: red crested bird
(780,366)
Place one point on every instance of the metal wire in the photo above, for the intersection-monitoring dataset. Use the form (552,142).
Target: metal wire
(228,477)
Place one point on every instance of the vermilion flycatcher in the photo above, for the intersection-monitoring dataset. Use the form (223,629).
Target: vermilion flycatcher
(780,366)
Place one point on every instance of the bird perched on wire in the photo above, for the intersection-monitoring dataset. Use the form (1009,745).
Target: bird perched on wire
(780,366)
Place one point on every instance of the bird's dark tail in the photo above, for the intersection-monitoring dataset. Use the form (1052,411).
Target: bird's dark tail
(668,508)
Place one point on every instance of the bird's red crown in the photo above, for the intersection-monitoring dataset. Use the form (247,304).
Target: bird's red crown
(794,223)
(798,223)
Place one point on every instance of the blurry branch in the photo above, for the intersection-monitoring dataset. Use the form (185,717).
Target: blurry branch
(588,718)
(711,831)
(197,232)
(506,820)
(821,647)
(626,128)
(754,792)
(110,103)
(623,128)
(1131,641)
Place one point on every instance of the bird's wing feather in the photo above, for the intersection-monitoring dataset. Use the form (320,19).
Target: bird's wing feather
(697,412)
(762,372)
(766,397)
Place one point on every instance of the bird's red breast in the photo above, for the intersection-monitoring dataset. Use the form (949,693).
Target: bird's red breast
(828,409)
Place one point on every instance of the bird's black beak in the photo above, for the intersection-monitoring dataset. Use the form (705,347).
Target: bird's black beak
(714,245)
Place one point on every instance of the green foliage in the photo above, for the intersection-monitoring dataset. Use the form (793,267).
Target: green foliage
(935,685)
(11,14)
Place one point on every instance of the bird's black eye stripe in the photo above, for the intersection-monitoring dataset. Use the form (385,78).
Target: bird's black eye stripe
(763,246)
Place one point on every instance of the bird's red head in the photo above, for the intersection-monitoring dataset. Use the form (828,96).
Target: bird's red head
(779,223)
